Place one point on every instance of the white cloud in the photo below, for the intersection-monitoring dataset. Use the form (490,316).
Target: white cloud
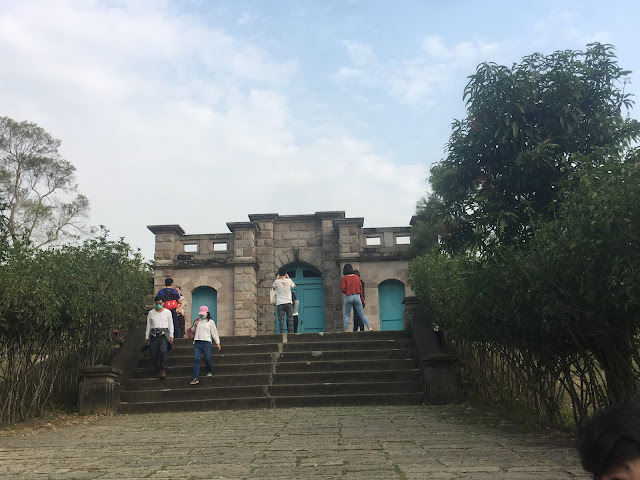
(170,121)
(360,54)
(563,29)
(462,54)
(417,80)
(246,18)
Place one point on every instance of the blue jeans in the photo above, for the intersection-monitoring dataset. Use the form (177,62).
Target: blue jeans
(355,302)
(201,347)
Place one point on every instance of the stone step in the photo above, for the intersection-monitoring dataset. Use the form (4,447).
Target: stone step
(373,354)
(208,389)
(233,369)
(370,344)
(348,376)
(153,383)
(366,368)
(175,360)
(352,388)
(186,358)
(308,337)
(346,365)
(343,342)
(178,406)
(183,348)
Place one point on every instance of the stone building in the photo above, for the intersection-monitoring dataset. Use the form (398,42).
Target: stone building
(232,272)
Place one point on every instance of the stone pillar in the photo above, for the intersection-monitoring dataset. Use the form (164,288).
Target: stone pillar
(440,377)
(99,393)
(349,238)
(168,245)
(420,325)
(331,272)
(265,256)
(245,284)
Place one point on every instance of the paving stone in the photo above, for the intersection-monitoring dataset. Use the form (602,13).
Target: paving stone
(394,442)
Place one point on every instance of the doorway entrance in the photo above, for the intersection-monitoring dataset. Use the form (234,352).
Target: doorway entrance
(204,296)
(390,296)
(310,293)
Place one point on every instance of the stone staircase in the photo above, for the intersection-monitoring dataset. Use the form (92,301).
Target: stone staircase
(267,371)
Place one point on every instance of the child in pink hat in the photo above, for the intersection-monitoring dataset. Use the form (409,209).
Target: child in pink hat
(205,334)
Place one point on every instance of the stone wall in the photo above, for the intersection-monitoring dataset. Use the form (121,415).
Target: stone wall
(243,273)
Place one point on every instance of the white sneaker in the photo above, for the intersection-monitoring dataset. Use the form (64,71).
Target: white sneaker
(195,381)
(209,374)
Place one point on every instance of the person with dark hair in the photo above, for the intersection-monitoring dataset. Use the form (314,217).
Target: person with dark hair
(180,313)
(206,333)
(284,303)
(609,444)
(358,324)
(159,334)
(350,285)
(173,303)
(296,304)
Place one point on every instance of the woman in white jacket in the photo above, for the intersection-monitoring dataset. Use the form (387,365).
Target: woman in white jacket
(205,334)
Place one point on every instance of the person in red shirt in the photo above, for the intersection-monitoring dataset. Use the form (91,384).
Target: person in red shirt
(350,285)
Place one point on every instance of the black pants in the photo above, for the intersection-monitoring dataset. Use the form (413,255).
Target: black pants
(295,324)
(178,331)
(357,322)
(281,310)
(158,349)
(178,326)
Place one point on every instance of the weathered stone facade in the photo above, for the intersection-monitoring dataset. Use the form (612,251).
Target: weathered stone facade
(240,266)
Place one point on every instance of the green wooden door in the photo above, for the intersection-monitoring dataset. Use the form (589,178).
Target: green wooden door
(310,292)
(204,296)
(390,296)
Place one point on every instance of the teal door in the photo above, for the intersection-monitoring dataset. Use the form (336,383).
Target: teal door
(204,296)
(390,296)
(310,292)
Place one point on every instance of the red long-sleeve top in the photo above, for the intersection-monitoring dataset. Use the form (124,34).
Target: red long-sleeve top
(350,285)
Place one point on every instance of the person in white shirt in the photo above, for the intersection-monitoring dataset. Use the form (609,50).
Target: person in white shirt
(284,303)
(205,334)
(159,334)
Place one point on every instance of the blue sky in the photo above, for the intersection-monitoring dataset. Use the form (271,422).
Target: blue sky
(202,112)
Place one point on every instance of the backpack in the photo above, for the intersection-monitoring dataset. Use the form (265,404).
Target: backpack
(170,298)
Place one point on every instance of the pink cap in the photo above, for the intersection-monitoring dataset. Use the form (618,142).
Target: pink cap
(203,310)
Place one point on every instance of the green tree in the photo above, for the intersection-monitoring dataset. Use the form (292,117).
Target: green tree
(59,307)
(38,186)
(537,217)
(509,159)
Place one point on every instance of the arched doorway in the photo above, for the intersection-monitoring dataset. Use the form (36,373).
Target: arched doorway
(390,296)
(204,296)
(310,292)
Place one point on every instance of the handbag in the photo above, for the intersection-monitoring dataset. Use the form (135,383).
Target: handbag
(170,304)
(191,335)
(272,296)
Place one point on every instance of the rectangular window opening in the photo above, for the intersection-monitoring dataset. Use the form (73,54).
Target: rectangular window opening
(403,240)
(372,241)
(220,247)
(190,247)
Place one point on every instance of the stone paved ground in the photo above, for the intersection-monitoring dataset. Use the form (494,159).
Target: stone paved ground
(372,443)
